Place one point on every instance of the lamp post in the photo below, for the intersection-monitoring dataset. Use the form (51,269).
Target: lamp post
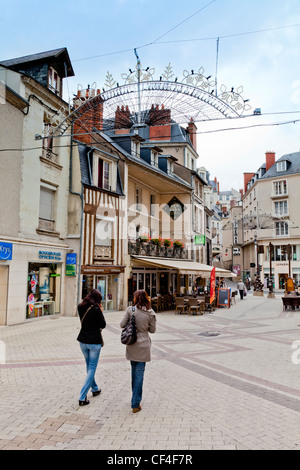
(258,286)
(271,294)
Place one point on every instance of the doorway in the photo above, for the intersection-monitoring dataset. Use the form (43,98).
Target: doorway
(3,293)
(101,285)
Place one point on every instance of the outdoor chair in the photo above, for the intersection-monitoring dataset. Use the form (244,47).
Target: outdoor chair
(193,307)
(180,305)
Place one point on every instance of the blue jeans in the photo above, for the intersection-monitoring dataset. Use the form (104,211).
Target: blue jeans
(91,353)
(137,378)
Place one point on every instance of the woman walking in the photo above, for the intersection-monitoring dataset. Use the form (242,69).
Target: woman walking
(140,352)
(90,338)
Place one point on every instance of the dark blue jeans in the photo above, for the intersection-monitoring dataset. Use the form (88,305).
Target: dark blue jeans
(137,378)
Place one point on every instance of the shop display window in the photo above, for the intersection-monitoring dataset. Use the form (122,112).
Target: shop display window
(43,289)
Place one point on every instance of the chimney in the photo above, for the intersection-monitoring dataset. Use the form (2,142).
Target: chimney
(192,130)
(122,120)
(159,123)
(247,178)
(90,116)
(270,159)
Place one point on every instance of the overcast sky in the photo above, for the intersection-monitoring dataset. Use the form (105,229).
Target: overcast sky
(258,50)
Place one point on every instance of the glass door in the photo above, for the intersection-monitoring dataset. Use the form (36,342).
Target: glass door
(101,285)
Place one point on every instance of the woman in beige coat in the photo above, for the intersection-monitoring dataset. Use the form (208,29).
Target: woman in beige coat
(140,352)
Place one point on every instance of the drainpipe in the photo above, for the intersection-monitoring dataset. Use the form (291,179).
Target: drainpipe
(81,216)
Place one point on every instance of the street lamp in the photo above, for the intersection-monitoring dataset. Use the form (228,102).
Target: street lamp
(271,294)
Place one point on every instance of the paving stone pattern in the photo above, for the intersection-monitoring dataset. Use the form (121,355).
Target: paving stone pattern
(224,380)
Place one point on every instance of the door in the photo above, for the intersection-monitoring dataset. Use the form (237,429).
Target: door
(101,285)
(3,294)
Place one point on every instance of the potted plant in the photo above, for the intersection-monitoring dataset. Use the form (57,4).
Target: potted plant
(156,241)
(177,244)
(167,242)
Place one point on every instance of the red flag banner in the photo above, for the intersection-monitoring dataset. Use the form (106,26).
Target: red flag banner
(212,285)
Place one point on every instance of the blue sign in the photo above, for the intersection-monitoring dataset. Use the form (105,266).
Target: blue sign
(50,255)
(5,251)
(71,258)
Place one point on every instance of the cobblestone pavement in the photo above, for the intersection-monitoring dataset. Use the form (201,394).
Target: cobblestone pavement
(223,380)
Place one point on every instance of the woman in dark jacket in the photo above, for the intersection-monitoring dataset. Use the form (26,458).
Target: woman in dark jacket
(92,321)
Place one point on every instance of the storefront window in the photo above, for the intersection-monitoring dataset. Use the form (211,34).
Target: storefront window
(43,289)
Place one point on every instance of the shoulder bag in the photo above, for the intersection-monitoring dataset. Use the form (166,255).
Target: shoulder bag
(129,333)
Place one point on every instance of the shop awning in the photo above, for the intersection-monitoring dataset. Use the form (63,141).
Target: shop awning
(183,266)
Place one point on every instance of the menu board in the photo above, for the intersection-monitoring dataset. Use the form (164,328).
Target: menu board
(224,298)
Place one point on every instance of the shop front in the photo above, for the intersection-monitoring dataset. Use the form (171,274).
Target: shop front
(43,289)
(107,280)
(44,284)
(166,276)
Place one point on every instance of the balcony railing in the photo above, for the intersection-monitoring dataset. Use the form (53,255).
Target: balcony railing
(149,249)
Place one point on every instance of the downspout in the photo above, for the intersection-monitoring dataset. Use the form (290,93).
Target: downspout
(81,216)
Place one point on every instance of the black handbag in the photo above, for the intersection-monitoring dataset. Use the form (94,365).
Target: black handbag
(129,333)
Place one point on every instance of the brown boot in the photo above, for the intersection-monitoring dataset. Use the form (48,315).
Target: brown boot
(135,410)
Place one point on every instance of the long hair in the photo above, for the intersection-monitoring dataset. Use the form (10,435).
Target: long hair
(93,298)
(141,299)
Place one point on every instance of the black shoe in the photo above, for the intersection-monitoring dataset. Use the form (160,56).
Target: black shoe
(95,394)
(84,402)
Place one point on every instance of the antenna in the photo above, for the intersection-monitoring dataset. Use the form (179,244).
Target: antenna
(139,82)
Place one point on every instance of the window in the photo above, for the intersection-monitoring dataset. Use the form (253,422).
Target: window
(281,166)
(152,205)
(53,81)
(280,187)
(281,208)
(138,199)
(282,228)
(104,172)
(104,230)
(46,204)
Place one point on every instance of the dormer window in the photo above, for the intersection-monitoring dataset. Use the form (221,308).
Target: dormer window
(104,174)
(54,81)
(281,166)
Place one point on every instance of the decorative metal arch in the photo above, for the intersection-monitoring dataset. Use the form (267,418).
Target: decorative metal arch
(194,97)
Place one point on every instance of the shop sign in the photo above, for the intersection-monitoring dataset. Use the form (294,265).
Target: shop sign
(236,269)
(199,239)
(5,251)
(50,255)
(102,269)
(236,251)
(71,260)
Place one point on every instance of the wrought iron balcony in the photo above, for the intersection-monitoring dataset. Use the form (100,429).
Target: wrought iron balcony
(149,249)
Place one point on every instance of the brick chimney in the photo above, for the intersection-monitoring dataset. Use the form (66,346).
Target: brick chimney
(192,130)
(159,123)
(270,159)
(247,178)
(122,120)
(91,114)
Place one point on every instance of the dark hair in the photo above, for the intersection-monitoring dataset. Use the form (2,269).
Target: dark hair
(93,298)
(141,299)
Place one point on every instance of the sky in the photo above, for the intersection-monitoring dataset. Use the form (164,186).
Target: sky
(258,50)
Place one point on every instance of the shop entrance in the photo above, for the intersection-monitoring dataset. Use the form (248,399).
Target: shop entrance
(282,278)
(106,285)
(43,289)
(3,293)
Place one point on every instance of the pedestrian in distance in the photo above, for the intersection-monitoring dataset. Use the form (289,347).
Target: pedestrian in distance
(241,288)
(140,352)
(90,338)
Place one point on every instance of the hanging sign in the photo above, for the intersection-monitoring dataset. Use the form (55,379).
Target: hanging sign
(5,251)
(199,239)
(71,260)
